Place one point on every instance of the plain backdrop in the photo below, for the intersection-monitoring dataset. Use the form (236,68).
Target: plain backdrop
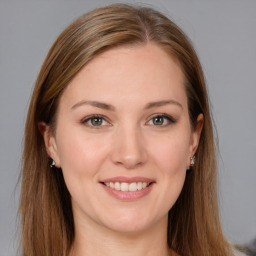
(224,35)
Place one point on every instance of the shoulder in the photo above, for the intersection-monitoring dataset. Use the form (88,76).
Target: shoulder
(238,253)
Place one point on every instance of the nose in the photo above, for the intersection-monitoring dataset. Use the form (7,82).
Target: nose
(129,149)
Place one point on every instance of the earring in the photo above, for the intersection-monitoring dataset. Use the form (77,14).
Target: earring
(192,160)
(52,163)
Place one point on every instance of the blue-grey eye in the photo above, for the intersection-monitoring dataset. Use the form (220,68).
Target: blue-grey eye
(161,120)
(96,121)
(158,120)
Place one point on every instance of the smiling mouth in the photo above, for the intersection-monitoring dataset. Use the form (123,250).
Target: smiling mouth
(127,187)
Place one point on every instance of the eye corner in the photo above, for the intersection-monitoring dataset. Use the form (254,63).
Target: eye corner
(95,121)
(161,120)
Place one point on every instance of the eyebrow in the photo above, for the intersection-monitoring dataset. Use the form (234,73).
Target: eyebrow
(163,103)
(96,104)
(106,106)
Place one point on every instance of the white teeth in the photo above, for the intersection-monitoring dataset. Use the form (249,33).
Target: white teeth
(144,184)
(133,187)
(124,186)
(112,185)
(117,186)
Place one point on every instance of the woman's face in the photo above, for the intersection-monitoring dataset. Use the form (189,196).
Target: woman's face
(123,138)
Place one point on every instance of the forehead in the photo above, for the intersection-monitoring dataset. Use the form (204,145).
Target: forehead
(145,73)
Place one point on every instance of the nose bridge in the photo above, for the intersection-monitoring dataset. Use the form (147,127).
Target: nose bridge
(129,147)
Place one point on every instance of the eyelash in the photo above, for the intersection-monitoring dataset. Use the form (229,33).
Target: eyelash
(90,118)
(170,120)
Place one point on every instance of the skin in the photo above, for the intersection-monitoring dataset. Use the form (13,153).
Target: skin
(128,141)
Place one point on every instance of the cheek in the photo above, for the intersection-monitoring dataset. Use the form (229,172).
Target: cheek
(170,153)
(169,156)
(81,155)
(81,160)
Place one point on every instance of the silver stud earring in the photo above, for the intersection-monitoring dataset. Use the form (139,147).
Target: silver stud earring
(192,160)
(52,164)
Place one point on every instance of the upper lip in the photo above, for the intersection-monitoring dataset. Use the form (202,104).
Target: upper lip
(127,179)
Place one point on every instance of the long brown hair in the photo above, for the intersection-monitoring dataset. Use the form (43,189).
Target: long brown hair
(45,203)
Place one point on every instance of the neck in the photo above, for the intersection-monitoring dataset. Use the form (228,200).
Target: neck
(93,239)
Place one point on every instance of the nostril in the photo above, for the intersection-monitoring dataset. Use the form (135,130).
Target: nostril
(129,163)
(129,151)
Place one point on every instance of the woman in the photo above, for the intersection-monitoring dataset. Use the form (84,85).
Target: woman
(119,152)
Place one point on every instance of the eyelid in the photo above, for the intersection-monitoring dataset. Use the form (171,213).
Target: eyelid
(169,118)
(87,118)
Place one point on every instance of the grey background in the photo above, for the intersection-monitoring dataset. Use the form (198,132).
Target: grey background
(224,35)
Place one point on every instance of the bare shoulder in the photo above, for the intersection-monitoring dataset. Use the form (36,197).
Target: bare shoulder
(238,253)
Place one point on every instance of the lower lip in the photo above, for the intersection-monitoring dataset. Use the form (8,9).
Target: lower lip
(128,195)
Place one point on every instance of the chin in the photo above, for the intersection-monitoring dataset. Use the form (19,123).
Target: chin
(128,228)
(131,223)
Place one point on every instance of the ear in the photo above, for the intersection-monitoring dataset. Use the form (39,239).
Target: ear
(195,136)
(50,142)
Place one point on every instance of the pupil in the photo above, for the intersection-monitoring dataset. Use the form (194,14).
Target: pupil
(96,121)
(158,121)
